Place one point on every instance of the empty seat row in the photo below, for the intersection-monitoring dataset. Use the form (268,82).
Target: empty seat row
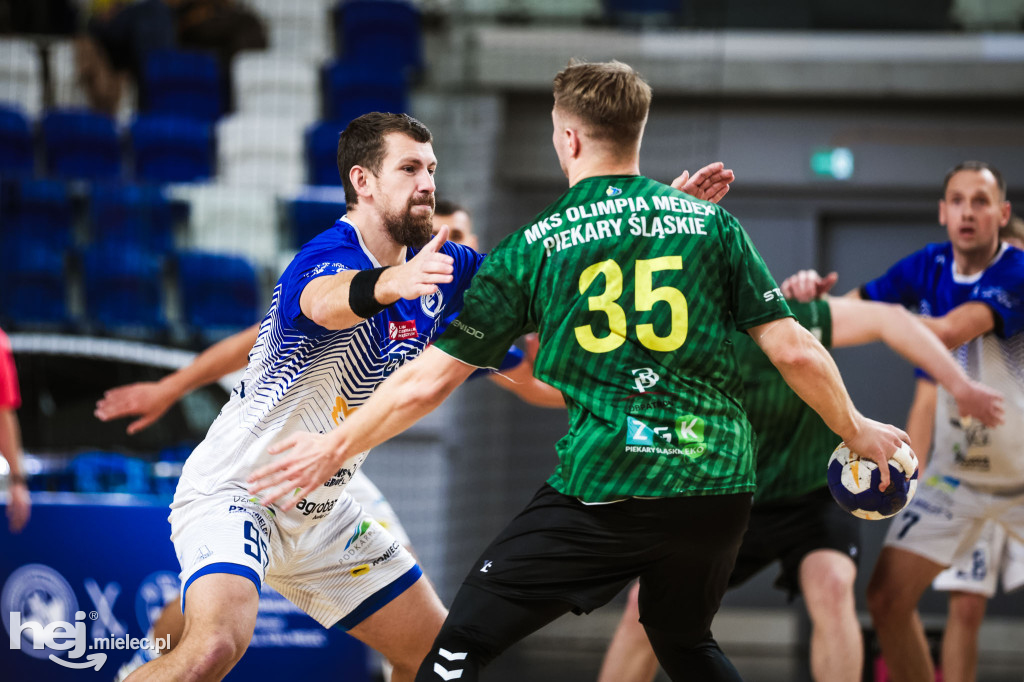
(125,291)
(263,151)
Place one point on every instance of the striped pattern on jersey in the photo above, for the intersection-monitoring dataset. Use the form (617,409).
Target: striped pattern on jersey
(793,444)
(635,289)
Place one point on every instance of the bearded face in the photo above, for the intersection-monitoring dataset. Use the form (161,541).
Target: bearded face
(409,225)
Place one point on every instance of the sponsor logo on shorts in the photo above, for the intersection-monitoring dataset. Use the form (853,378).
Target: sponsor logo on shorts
(361,537)
(486,568)
(361,569)
(202,553)
(360,530)
(388,555)
(402,329)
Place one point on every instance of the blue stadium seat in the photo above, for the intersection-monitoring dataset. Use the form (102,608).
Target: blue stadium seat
(123,290)
(322,153)
(16,154)
(309,215)
(137,215)
(219,293)
(386,33)
(81,144)
(172,149)
(108,472)
(39,209)
(183,83)
(32,282)
(354,88)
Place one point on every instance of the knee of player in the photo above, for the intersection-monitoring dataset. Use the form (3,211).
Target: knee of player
(967,609)
(214,652)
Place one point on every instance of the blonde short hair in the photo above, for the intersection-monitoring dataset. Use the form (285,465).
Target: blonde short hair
(609,98)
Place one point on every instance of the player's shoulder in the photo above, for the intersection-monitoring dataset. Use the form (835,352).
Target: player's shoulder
(1008,265)
(937,254)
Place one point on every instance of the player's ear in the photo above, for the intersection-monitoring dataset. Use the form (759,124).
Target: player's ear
(942,212)
(362,180)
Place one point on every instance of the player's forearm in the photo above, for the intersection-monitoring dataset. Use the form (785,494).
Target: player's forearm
(910,337)
(10,442)
(404,398)
(222,358)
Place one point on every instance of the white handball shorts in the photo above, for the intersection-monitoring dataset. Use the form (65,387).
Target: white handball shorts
(992,557)
(339,571)
(946,518)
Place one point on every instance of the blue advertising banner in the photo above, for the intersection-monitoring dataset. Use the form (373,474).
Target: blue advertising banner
(81,585)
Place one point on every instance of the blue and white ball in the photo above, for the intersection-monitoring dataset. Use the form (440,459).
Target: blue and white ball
(854,482)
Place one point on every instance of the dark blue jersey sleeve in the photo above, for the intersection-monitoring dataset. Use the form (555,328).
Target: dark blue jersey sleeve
(903,282)
(1002,290)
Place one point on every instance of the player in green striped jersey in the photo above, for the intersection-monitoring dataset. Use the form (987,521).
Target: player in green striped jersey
(635,289)
(794,519)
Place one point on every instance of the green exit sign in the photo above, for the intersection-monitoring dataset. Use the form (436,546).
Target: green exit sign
(832,162)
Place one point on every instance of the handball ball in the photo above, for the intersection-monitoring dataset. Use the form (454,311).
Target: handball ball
(854,482)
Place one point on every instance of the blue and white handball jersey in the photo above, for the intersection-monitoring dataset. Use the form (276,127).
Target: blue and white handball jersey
(927,283)
(302,377)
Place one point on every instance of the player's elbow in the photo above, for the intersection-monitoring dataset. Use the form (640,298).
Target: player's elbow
(793,358)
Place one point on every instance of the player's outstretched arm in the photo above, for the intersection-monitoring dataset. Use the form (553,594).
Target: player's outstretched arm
(856,322)
(336,301)
(149,400)
(710,183)
(921,420)
(308,459)
(812,374)
(963,323)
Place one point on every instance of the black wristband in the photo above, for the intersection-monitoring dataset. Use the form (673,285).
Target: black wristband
(361,299)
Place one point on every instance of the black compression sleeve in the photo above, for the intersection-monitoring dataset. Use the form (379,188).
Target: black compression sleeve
(361,299)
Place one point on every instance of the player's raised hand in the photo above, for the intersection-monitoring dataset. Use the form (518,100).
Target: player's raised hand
(421,275)
(710,183)
(978,401)
(148,400)
(311,459)
(877,441)
(807,285)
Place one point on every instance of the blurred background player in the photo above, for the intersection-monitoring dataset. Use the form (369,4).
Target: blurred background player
(794,519)
(995,558)
(969,291)
(19,505)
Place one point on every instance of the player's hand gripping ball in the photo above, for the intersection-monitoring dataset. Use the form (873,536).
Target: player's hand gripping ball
(854,482)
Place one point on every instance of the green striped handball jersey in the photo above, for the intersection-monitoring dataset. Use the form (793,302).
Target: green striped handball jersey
(635,289)
(793,443)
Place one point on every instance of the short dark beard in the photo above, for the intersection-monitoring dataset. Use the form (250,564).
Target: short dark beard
(409,230)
